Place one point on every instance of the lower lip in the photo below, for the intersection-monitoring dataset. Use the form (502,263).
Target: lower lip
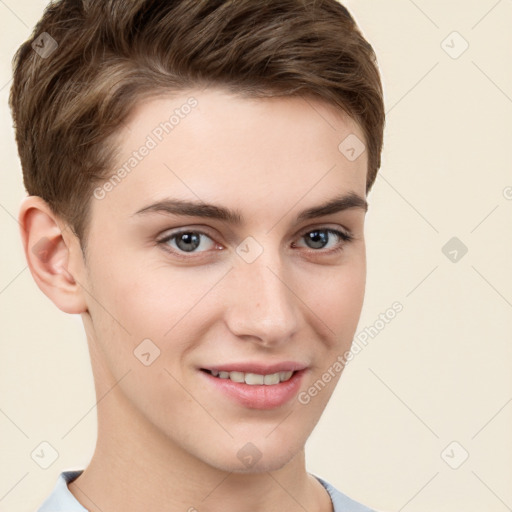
(258,396)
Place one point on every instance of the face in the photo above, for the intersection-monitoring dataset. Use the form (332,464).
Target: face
(211,257)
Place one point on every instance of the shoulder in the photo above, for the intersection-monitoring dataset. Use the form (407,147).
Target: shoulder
(341,502)
(61,499)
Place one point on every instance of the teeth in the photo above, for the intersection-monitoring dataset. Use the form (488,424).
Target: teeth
(254,379)
(284,376)
(237,376)
(271,379)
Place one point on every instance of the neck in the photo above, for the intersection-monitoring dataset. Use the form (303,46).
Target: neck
(136,467)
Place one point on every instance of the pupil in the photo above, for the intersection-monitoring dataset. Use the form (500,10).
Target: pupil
(188,238)
(318,238)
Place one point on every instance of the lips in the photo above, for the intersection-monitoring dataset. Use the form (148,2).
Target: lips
(255,385)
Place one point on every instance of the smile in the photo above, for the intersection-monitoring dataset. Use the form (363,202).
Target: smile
(259,387)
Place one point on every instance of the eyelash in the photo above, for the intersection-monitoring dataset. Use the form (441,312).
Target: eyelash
(346,238)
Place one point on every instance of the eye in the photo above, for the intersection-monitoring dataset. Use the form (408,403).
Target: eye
(187,241)
(321,238)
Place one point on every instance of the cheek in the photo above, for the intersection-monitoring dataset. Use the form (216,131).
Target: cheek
(132,289)
(337,299)
(156,303)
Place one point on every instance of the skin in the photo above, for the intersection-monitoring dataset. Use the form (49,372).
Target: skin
(166,441)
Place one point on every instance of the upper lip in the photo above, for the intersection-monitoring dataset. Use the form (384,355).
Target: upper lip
(259,368)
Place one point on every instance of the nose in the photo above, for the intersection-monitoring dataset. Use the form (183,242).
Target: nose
(262,308)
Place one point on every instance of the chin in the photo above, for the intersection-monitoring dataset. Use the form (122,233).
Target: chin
(251,460)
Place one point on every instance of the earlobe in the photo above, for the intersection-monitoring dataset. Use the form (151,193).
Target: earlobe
(52,258)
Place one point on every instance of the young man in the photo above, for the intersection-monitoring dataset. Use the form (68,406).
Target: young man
(197,174)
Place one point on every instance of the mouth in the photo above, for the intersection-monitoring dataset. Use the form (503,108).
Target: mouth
(255,386)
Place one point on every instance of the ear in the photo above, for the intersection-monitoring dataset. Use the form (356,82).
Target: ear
(53,255)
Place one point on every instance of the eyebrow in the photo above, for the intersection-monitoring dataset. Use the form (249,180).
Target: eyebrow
(200,209)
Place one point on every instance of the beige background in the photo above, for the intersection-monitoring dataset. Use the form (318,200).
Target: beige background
(439,372)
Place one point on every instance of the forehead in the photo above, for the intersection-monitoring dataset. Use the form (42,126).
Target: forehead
(242,152)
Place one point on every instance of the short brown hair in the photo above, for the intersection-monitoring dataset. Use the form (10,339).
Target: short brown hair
(67,105)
